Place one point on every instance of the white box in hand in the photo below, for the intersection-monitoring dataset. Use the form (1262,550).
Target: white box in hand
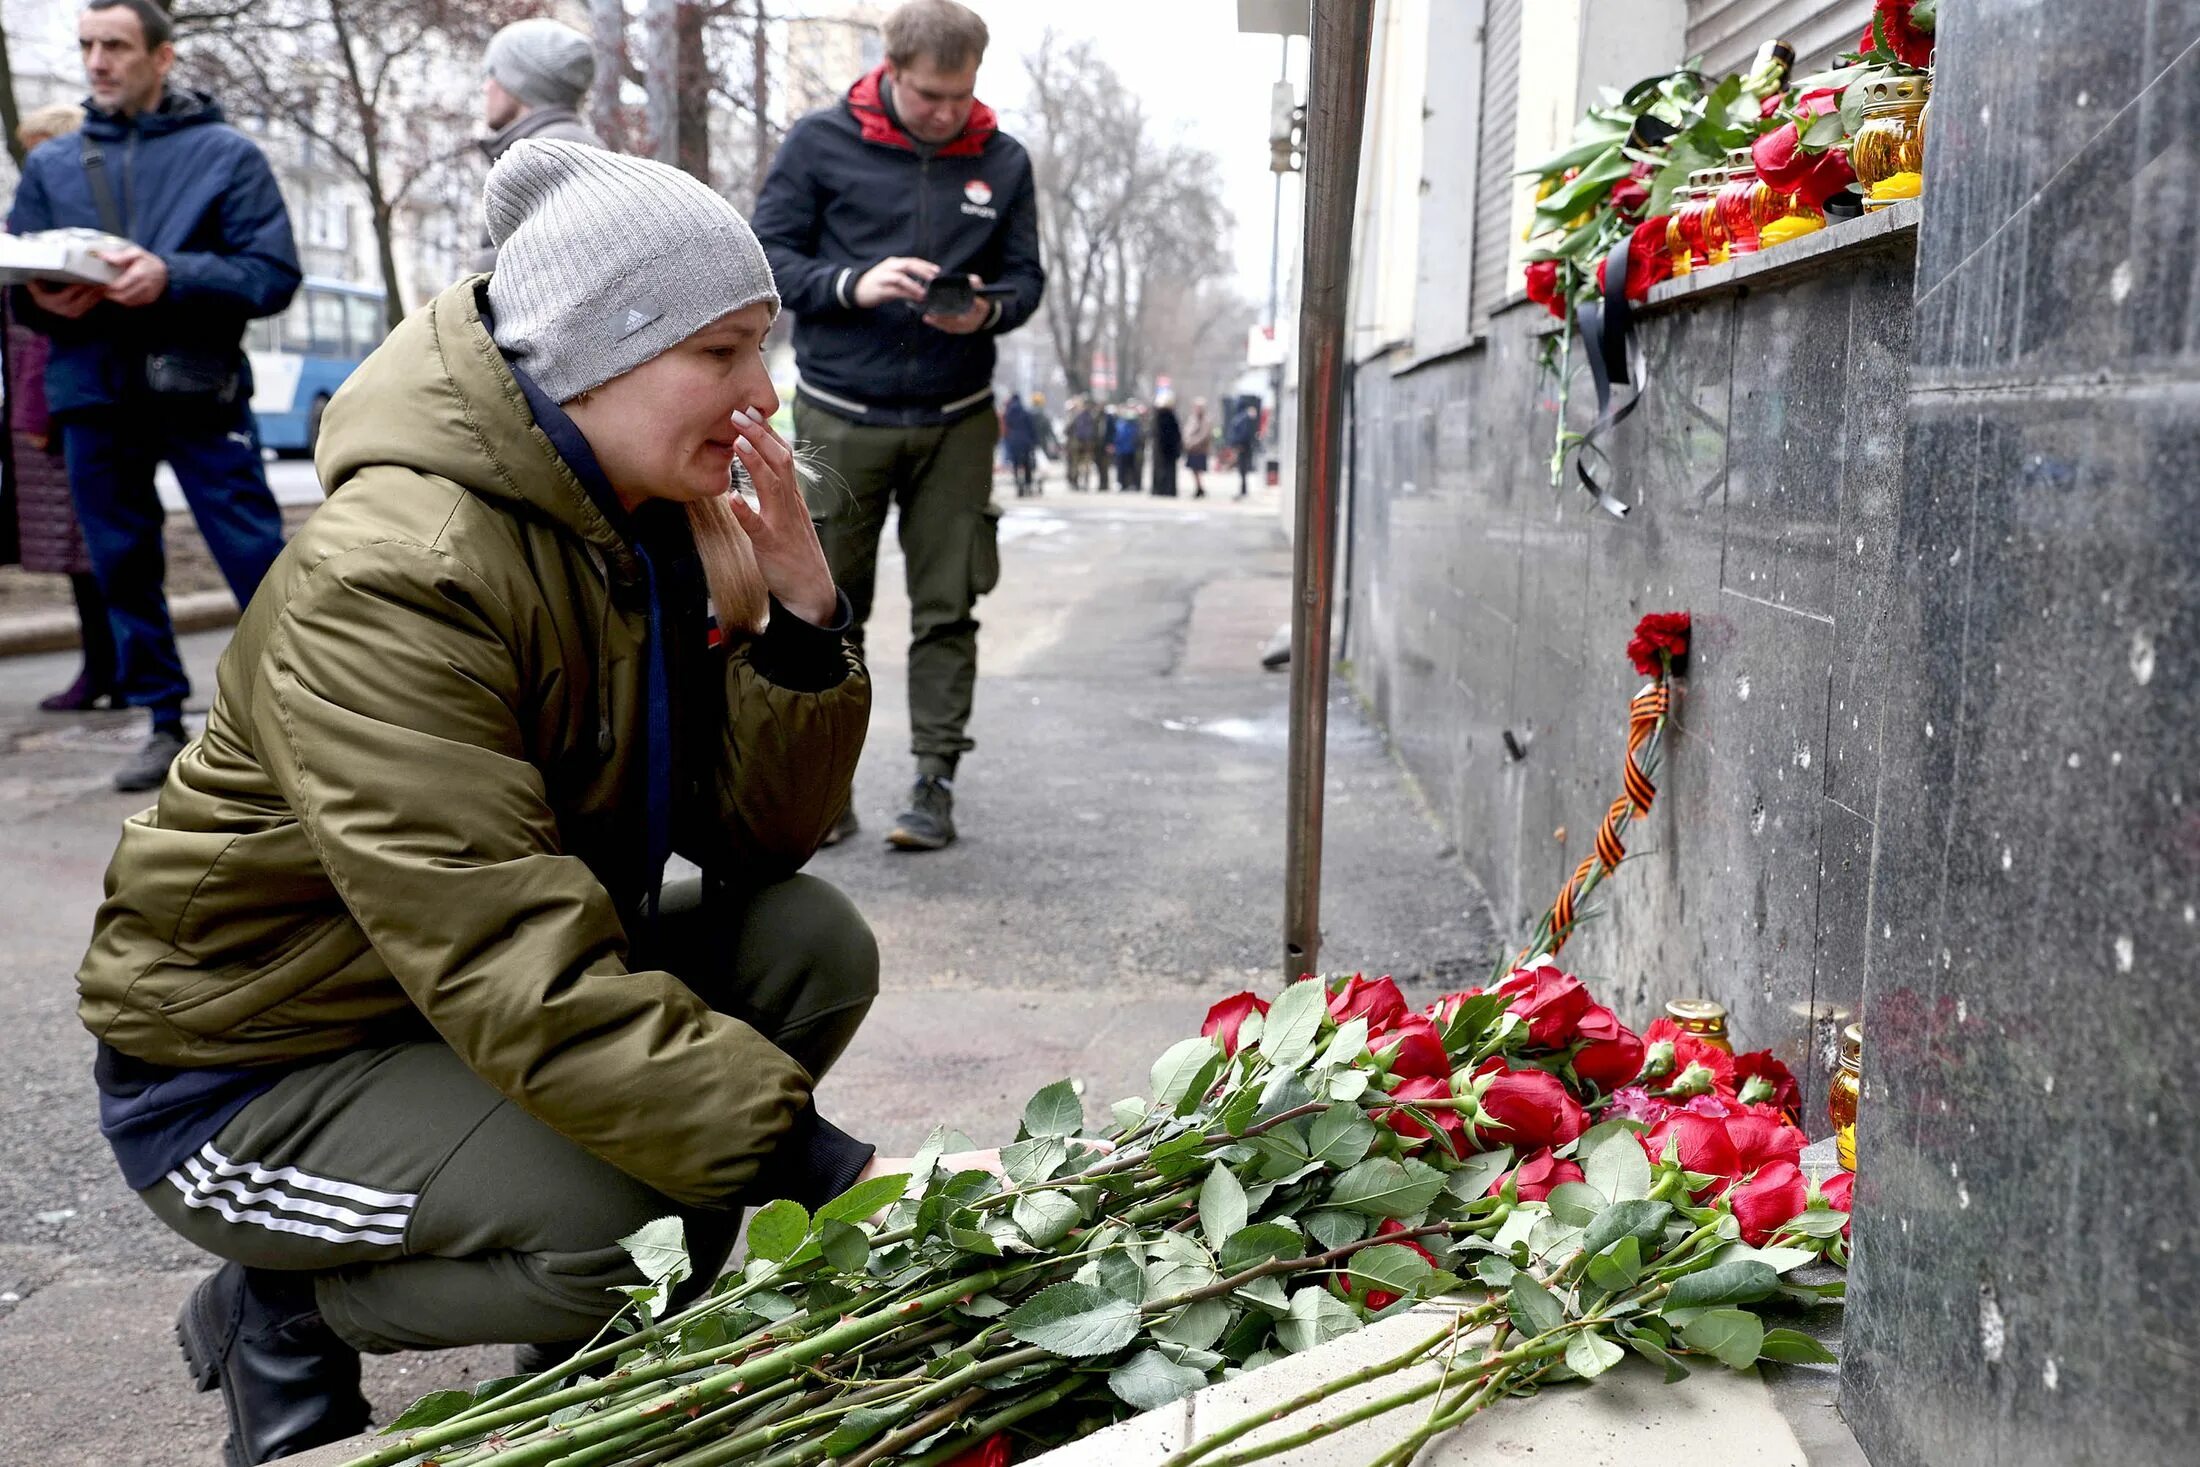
(58,257)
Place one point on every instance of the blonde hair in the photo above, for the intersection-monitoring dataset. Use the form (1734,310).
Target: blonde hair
(737,589)
(54,120)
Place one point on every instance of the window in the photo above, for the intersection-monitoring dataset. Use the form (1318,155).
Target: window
(366,323)
(325,317)
(297,333)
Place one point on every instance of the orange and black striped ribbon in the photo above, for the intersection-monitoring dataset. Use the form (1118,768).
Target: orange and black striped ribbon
(1645,712)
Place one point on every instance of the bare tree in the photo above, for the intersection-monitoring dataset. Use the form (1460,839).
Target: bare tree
(357,77)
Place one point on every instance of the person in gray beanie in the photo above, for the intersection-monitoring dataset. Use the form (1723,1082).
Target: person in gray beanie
(536,74)
(449,1038)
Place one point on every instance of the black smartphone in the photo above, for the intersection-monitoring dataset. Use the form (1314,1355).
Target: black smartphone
(951,295)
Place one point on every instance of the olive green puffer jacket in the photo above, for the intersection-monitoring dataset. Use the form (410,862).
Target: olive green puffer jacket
(417,788)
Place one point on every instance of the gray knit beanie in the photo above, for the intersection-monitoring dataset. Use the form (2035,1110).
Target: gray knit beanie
(604,261)
(542,62)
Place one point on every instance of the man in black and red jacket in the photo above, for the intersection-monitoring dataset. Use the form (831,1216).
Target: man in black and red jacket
(907,179)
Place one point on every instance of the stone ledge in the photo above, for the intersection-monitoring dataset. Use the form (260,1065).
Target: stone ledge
(1796,257)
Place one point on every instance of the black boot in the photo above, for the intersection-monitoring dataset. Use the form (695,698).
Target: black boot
(929,822)
(290,1384)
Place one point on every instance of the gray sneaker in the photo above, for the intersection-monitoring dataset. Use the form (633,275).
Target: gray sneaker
(149,765)
(929,822)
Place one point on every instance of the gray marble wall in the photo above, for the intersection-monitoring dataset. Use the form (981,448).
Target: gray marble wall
(1935,515)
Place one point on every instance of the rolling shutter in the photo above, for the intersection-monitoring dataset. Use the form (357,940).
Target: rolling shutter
(1727,33)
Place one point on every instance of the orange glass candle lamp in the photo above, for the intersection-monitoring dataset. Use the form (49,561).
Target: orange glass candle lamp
(1741,203)
(1845,1095)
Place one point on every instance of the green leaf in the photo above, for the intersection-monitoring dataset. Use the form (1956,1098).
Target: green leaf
(1118,1272)
(1382,1187)
(1345,1084)
(777,1230)
(1474,1177)
(1177,1069)
(1824,132)
(845,1246)
(1046,1217)
(1734,1335)
(1497,1272)
(1266,1292)
(659,1249)
(1925,14)
(1258,1244)
(1574,1203)
(1658,1355)
(1613,1161)
(1743,1281)
(1074,1320)
(1618,1269)
(1333,1228)
(858,1427)
(864,1198)
(1221,1205)
(1391,1267)
(1055,1111)
(1031,1162)
(1347,1044)
(1129,1113)
(1534,1309)
(1237,1116)
(1644,1221)
(1793,1347)
(431,1408)
(1197,1325)
(1287,1040)
(1589,1354)
(1816,1222)
(1315,1318)
(1150,1379)
(1340,1136)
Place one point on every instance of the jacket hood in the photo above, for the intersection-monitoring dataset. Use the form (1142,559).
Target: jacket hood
(180,107)
(867,100)
(437,397)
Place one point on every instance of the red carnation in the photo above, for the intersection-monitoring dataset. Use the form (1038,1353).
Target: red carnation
(1775,1079)
(1613,1054)
(1415,1048)
(1911,45)
(992,1452)
(1689,1050)
(1529,1109)
(1767,1200)
(1380,1003)
(1759,1142)
(1227,1017)
(1660,632)
(1538,1177)
(1705,1147)
(1542,279)
(1416,1088)
(1549,1002)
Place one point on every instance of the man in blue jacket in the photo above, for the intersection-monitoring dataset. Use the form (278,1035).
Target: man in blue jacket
(906,180)
(149,367)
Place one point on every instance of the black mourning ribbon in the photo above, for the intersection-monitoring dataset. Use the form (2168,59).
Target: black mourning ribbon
(1615,356)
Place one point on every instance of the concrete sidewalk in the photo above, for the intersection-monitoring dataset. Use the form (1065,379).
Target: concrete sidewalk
(1121,868)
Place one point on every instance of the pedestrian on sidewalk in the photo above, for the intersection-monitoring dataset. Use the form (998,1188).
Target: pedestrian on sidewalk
(46,537)
(151,367)
(1043,438)
(535,75)
(1127,433)
(1245,439)
(1082,440)
(1020,443)
(1104,449)
(392,1013)
(907,180)
(1168,444)
(1197,434)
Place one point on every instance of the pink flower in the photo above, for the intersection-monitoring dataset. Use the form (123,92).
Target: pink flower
(1767,1200)
(1537,1177)
(1379,1002)
(1637,1104)
(1227,1017)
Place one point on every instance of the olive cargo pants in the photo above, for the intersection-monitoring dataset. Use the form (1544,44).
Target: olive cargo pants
(941,478)
(435,1212)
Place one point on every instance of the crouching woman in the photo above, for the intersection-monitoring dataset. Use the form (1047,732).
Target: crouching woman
(393,1014)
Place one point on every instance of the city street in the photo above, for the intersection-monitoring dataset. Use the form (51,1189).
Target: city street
(1120,868)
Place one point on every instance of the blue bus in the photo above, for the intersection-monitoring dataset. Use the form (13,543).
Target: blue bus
(301,357)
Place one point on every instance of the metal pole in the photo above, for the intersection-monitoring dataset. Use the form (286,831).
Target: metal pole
(1336,104)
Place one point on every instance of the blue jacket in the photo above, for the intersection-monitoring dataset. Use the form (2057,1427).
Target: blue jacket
(194,191)
(850,188)
(1016,427)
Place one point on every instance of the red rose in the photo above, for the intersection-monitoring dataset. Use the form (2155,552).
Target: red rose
(1759,1142)
(1380,1299)
(1839,1191)
(1549,1002)
(1537,1177)
(1613,1055)
(1660,631)
(1690,1050)
(1415,1088)
(1648,259)
(1767,1200)
(1415,1049)
(1775,1078)
(1629,195)
(1705,1146)
(1813,178)
(1445,1009)
(992,1452)
(1911,45)
(1542,279)
(1227,1017)
(1529,1109)
(1380,1003)
(1779,156)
